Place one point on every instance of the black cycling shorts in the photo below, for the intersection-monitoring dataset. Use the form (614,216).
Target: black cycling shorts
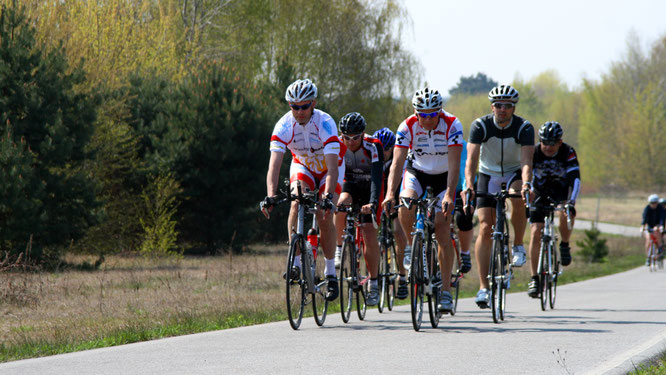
(489,184)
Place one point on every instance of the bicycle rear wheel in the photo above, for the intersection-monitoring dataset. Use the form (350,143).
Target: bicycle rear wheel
(543,276)
(392,277)
(295,288)
(456,278)
(416,291)
(347,269)
(553,282)
(495,280)
(319,301)
(362,283)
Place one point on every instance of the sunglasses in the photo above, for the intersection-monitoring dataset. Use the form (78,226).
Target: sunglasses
(301,107)
(503,105)
(351,138)
(549,143)
(428,115)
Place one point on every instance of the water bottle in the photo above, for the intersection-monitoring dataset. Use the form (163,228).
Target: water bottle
(313,239)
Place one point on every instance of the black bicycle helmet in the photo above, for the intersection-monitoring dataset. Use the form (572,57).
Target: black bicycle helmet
(551,131)
(352,123)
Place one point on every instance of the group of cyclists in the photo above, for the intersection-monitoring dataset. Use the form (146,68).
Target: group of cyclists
(428,149)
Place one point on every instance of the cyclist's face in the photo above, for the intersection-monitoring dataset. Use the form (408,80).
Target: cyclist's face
(302,111)
(549,149)
(388,153)
(503,111)
(428,118)
(352,141)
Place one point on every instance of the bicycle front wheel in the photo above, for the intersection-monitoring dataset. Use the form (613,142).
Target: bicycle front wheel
(495,280)
(456,278)
(544,275)
(392,276)
(553,282)
(416,281)
(295,286)
(347,269)
(433,297)
(319,301)
(382,278)
(362,285)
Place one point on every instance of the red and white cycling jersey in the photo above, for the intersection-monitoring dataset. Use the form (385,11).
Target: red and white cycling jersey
(430,148)
(310,142)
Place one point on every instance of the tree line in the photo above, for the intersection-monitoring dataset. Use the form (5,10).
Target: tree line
(143,126)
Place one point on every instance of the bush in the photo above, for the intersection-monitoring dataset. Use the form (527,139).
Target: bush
(593,248)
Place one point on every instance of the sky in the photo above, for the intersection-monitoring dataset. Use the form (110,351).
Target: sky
(504,39)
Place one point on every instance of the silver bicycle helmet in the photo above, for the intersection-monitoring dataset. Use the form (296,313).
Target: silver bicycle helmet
(654,198)
(300,91)
(503,93)
(427,98)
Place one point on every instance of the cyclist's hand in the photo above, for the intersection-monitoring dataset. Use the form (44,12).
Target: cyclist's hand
(266,206)
(387,204)
(326,204)
(526,192)
(467,197)
(368,209)
(447,206)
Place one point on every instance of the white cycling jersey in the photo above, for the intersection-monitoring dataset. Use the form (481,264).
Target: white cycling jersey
(430,148)
(310,142)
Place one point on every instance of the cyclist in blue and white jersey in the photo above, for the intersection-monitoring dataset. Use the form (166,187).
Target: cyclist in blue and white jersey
(317,162)
(501,144)
(435,140)
(386,136)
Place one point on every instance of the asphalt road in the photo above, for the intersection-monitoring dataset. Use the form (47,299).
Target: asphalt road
(598,326)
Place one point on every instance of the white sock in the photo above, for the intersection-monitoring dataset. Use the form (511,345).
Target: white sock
(338,249)
(464,252)
(330,267)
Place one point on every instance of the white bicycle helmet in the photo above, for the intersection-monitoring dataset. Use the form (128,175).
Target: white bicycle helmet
(503,93)
(654,198)
(300,91)
(427,99)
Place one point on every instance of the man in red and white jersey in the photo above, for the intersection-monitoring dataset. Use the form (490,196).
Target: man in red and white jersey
(433,138)
(312,137)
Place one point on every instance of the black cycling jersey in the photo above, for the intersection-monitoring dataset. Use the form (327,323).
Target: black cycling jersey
(364,168)
(555,176)
(500,147)
(653,217)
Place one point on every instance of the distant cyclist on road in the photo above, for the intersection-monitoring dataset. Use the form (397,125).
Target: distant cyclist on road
(312,137)
(653,221)
(557,176)
(434,137)
(501,144)
(363,183)
(387,137)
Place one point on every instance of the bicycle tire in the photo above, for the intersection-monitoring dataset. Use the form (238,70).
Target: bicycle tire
(505,279)
(363,282)
(416,291)
(553,282)
(543,275)
(653,257)
(346,280)
(319,301)
(495,264)
(392,277)
(455,283)
(433,298)
(382,276)
(295,289)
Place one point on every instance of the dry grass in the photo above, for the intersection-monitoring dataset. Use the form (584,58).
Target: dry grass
(626,210)
(76,306)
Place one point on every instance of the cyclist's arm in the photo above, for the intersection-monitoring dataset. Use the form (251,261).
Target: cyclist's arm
(377,175)
(332,174)
(526,156)
(273,174)
(473,152)
(454,172)
(399,157)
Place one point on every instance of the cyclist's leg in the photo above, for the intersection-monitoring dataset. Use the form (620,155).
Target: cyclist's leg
(411,188)
(536,226)
(371,251)
(483,242)
(518,217)
(326,223)
(345,198)
(401,242)
(444,247)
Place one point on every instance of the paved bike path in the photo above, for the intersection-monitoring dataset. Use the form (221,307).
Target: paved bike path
(597,326)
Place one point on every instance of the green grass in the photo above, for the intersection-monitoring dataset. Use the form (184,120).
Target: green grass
(655,367)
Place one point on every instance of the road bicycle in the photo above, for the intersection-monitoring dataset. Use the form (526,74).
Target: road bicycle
(548,267)
(456,274)
(388,267)
(424,276)
(354,275)
(306,284)
(655,260)
(500,270)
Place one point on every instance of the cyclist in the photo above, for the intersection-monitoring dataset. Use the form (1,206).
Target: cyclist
(556,175)
(386,136)
(503,144)
(435,139)
(362,185)
(653,220)
(312,138)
